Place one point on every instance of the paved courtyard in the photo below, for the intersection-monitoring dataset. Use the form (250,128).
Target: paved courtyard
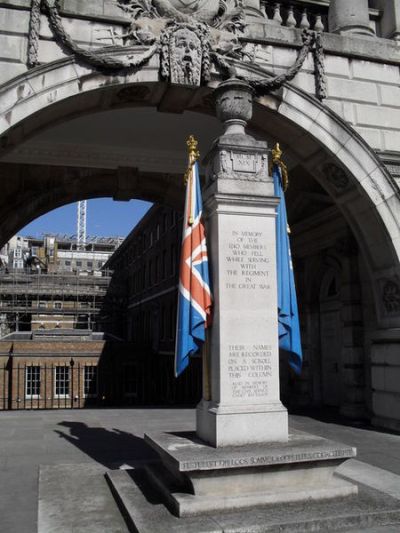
(113,438)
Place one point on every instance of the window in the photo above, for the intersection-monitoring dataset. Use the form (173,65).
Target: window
(57,305)
(99,264)
(62,381)
(90,381)
(79,263)
(32,381)
(18,252)
(42,305)
(89,264)
(68,263)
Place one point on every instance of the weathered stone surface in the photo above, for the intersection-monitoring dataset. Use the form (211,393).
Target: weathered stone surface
(146,513)
(196,478)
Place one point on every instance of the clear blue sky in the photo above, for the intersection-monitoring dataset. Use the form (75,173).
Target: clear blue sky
(104,218)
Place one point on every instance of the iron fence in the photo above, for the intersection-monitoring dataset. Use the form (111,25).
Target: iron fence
(149,381)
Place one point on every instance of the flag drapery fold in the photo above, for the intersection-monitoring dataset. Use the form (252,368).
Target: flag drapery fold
(194,295)
(288,315)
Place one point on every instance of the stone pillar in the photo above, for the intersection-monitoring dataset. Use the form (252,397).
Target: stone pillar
(240,207)
(349,16)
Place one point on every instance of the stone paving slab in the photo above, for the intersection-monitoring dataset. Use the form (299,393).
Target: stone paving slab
(76,499)
(123,429)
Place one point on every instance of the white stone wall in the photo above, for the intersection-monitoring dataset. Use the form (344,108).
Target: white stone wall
(366,94)
(363,91)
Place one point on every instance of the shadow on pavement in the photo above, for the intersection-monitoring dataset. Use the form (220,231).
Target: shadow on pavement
(111,448)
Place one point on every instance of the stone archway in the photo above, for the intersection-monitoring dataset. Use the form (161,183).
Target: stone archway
(313,136)
(331,151)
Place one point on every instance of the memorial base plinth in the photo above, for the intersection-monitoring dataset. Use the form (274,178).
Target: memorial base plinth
(196,478)
(237,426)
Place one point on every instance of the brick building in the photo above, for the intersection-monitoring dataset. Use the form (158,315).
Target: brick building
(142,301)
(65,369)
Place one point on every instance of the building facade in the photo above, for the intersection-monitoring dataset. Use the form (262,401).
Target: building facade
(141,306)
(95,101)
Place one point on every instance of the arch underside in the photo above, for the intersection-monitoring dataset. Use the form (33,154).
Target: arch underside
(35,108)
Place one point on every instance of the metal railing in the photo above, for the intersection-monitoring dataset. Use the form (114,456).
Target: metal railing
(72,385)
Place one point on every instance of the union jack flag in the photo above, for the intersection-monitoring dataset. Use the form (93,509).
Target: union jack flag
(194,297)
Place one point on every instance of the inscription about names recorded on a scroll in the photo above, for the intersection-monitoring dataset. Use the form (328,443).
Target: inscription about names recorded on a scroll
(249,370)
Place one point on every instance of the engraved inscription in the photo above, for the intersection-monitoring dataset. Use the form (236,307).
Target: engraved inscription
(266,460)
(248,272)
(248,266)
(249,370)
(242,162)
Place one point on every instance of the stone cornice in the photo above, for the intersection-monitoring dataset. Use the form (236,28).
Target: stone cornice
(357,46)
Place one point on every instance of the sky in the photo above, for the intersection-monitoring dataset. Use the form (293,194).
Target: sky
(105,218)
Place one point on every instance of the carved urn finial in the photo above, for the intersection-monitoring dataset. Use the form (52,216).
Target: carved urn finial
(234,105)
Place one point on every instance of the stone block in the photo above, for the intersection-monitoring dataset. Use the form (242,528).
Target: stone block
(372,136)
(14,20)
(352,90)
(388,353)
(50,51)
(355,395)
(8,71)
(353,377)
(385,404)
(353,356)
(13,48)
(390,95)
(17,3)
(305,81)
(338,66)
(392,379)
(383,117)
(391,140)
(349,113)
(335,105)
(367,70)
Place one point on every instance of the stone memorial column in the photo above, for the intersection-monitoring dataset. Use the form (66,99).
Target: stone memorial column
(244,404)
(349,16)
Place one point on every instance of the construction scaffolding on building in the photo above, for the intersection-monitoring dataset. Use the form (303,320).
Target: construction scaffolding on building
(45,300)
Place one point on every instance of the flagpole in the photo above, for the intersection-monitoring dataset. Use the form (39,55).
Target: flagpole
(194,155)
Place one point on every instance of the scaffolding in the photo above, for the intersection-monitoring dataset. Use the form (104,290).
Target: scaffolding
(23,294)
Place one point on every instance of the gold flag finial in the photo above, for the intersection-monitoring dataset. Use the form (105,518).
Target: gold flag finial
(277,160)
(194,155)
(192,145)
(276,154)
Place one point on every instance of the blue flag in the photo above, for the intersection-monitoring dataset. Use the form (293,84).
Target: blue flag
(288,315)
(194,297)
